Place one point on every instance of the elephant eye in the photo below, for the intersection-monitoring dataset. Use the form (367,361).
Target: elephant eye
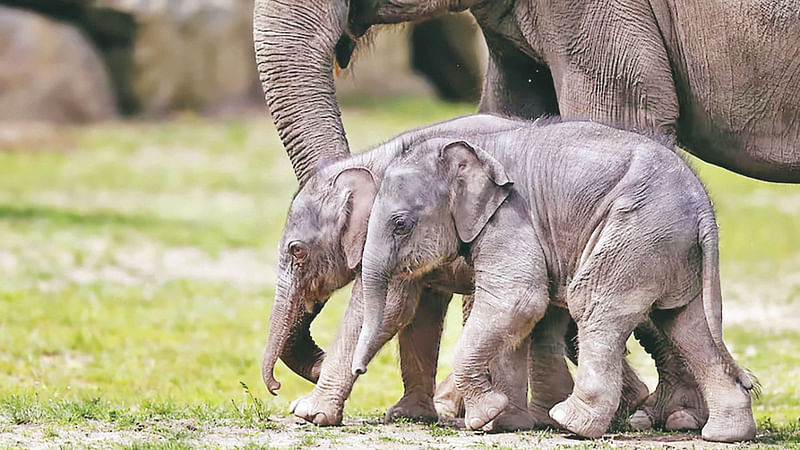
(299,252)
(402,224)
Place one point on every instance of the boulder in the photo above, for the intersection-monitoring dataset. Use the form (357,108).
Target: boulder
(192,54)
(50,71)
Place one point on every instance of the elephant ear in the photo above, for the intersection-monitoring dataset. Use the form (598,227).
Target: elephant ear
(359,188)
(479,186)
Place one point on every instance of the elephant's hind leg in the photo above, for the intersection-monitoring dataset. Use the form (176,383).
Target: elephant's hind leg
(677,403)
(730,414)
(603,329)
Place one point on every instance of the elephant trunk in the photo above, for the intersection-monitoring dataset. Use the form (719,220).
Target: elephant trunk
(294,44)
(290,339)
(375,280)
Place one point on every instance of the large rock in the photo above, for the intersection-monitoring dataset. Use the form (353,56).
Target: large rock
(167,55)
(50,71)
(192,54)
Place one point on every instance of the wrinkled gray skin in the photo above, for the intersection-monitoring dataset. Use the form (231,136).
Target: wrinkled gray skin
(610,224)
(320,251)
(328,220)
(720,77)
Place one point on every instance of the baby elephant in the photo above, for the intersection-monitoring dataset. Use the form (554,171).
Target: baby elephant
(607,223)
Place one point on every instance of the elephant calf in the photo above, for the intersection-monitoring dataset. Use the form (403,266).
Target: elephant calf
(609,224)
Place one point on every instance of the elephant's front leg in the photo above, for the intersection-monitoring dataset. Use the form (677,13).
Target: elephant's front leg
(496,323)
(419,354)
(550,379)
(325,404)
(677,403)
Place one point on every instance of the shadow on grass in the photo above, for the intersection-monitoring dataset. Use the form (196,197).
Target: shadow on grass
(171,231)
(94,218)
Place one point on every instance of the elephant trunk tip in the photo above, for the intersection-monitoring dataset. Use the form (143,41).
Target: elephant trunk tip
(359,368)
(361,357)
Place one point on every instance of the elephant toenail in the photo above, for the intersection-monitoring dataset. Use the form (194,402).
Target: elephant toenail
(475,423)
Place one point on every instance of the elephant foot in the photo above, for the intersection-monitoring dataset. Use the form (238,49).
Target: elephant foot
(576,416)
(680,420)
(672,407)
(317,411)
(448,401)
(484,409)
(414,406)
(640,421)
(511,419)
(541,416)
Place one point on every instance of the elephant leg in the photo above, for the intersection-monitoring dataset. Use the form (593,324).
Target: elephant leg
(491,327)
(634,391)
(677,403)
(602,333)
(509,375)
(448,401)
(730,414)
(550,380)
(325,403)
(419,354)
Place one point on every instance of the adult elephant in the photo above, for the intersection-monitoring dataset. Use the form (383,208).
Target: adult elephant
(723,79)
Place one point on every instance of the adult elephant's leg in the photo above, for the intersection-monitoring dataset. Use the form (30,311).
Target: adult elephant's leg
(516,85)
(325,403)
(448,401)
(677,403)
(419,354)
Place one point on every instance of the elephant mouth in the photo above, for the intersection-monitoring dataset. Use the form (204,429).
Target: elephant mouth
(344,50)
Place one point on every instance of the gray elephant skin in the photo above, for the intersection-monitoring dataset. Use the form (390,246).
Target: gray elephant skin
(716,76)
(609,224)
(320,251)
(721,77)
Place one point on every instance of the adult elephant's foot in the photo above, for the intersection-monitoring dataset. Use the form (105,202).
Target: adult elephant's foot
(673,407)
(575,415)
(484,409)
(414,406)
(448,401)
(317,410)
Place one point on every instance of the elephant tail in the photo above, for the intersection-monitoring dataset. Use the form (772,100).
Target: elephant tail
(712,298)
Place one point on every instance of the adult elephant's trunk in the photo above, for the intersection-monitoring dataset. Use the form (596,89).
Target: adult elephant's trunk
(375,276)
(290,338)
(294,43)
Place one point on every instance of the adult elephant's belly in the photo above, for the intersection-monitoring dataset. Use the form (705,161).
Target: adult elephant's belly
(762,144)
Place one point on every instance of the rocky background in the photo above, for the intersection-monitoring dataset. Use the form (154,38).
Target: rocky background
(89,60)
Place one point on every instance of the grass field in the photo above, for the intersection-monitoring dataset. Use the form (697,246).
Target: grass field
(137,264)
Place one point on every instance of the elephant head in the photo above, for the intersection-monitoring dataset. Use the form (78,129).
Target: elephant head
(436,197)
(319,250)
(296,43)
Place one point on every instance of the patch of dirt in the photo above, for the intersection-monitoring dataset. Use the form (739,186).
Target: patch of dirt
(292,432)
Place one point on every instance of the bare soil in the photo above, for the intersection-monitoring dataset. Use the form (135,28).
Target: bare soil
(293,433)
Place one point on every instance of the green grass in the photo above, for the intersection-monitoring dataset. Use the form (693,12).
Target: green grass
(138,259)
